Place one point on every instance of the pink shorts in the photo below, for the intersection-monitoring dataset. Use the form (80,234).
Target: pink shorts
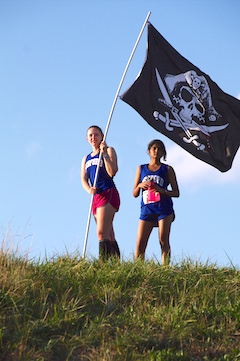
(101,199)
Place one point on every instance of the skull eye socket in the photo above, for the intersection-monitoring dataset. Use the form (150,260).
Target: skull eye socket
(186,95)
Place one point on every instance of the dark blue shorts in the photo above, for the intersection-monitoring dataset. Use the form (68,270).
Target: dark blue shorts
(155,218)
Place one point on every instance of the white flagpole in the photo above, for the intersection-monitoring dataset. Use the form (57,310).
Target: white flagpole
(108,123)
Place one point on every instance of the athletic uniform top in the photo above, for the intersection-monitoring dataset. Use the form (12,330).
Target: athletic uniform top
(104,181)
(158,204)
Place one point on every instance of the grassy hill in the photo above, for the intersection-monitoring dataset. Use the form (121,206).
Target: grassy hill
(68,308)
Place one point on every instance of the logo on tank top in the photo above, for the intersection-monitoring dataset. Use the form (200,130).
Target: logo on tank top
(154,178)
(93,162)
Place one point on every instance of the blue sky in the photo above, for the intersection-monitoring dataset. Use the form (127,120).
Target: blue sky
(61,63)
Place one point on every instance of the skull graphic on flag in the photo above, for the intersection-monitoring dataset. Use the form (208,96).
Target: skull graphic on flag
(188,98)
(180,101)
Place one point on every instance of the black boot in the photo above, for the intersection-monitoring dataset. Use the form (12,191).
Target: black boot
(114,249)
(104,249)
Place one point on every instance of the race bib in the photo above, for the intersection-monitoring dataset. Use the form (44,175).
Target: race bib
(150,196)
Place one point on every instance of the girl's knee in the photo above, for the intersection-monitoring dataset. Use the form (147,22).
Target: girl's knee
(101,235)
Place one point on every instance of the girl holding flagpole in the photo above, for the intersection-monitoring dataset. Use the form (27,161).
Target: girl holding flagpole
(106,200)
(152,180)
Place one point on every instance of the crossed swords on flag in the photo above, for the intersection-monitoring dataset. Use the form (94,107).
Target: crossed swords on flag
(178,121)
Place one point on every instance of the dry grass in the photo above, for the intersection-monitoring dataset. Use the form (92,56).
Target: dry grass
(68,308)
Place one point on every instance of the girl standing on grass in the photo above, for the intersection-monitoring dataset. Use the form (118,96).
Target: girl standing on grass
(106,200)
(156,203)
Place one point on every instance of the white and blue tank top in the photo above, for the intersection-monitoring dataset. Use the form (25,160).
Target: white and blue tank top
(104,181)
(163,204)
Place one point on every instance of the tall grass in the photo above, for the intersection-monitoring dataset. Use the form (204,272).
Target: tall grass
(69,308)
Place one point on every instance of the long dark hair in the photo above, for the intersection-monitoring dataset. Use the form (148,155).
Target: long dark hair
(160,144)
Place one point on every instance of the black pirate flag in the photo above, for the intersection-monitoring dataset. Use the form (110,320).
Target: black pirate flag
(183,103)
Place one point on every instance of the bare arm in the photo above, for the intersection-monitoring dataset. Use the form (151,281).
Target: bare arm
(110,159)
(174,192)
(138,184)
(84,179)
